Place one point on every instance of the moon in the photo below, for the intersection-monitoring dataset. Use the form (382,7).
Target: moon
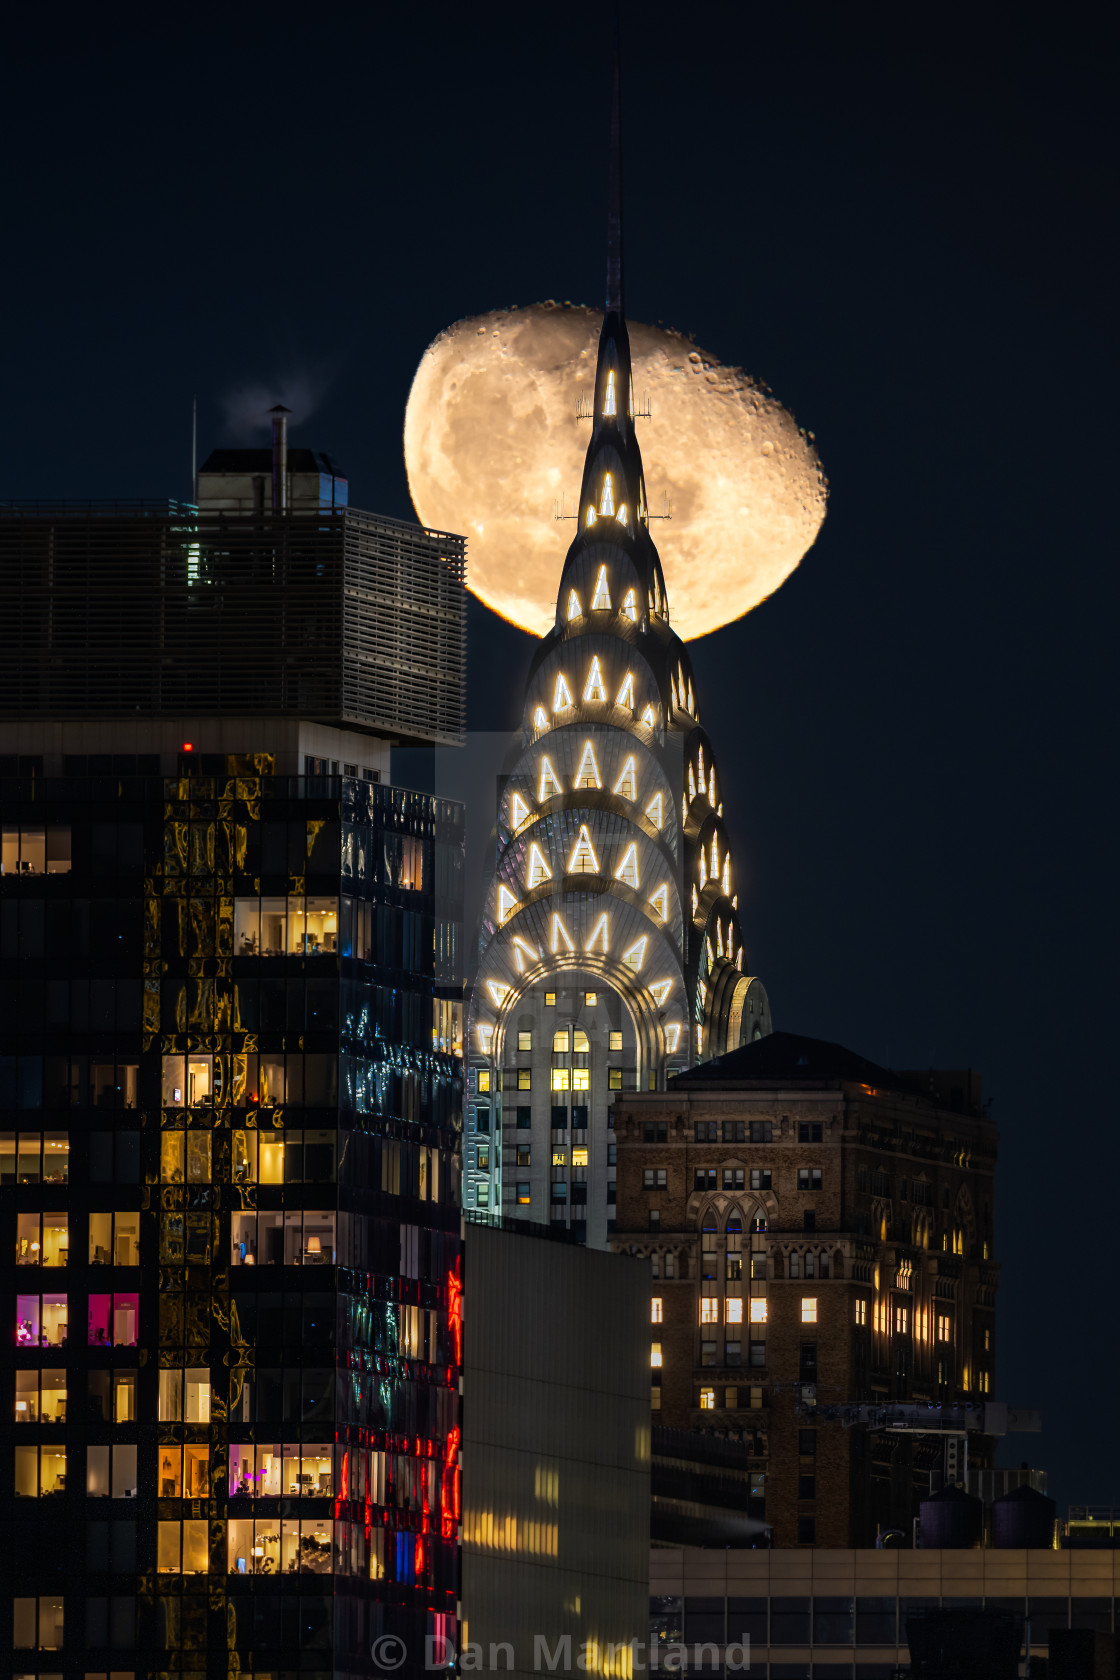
(493,450)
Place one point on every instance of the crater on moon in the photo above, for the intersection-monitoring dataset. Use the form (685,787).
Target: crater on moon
(492,444)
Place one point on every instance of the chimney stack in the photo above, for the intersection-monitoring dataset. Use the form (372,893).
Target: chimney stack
(280,458)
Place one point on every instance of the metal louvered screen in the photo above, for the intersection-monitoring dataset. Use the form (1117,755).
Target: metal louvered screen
(109,610)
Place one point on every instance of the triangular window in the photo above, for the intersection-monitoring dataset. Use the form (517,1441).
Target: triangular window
(627,870)
(538,867)
(625,785)
(648,718)
(655,811)
(625,696)
(560,936)
(583,860)
(600,935)
(660,901)
(610,404)
(606,500)
(660,990)
(518,811)
(636,955)
(630,603)
(601,601)
(574,608)
(548,784)
(587,776)
(593,688)
(507,904)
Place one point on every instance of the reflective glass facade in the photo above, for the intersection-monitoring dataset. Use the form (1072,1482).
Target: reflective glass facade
(229,1214)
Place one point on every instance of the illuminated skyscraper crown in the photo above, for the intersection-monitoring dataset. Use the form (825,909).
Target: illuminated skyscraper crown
(613,859)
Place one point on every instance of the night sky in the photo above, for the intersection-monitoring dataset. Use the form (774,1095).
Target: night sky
(902,224)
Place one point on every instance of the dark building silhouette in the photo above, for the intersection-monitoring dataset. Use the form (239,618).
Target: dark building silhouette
(231,1092)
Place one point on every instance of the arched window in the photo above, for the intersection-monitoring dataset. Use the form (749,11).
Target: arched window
(810,1263)
(823,1265)
(794,1264)
(709,1258)
(734,1260)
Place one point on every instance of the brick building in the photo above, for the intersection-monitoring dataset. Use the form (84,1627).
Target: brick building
(819,1232)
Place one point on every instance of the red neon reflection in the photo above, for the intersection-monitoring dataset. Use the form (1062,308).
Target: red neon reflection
(449,1488)
(455,1310)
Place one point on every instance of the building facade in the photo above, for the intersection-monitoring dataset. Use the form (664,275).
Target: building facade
(231,1110)
(555,1450)
(819,1233)
(611,954)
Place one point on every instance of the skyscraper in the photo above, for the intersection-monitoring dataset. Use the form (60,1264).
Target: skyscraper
(611,952)
(228,1164)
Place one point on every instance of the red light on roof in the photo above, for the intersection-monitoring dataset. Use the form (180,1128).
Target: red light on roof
(188,746)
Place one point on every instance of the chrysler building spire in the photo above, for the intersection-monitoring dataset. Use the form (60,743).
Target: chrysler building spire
(611,954)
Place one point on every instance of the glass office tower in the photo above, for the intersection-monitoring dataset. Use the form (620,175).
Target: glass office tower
(231,1101)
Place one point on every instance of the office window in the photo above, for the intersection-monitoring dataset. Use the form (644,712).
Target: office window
(733,1353)
(40,1396)
(810,1131)
(758,1310)
(482,1195)
(808,1178)
(757,1354)
(550,1000)
(655,1222)
(40,1471)
(762,1131)
(34,851)
(579,1116)
(709,1309)
(704,1131)
(655,1308)
(655,1396)
(559,1119)
(808,1309)
(38,1623)
(760,1178)
(734,1131)
(524,1118)
(561,1041)
(34,1158)
(114,1238)
(707,1399)
(944,1331)
(482,1119)
(808,1362)
(810,1264)
(482,1079)
(524,1079)
(670,1265)
(655,1131)
(182,1548)
(524,1041)
(580,1157)
(707,1353)
(793,1264)
(901,1320)
(861,1312)
(614,1079)
(655,1355)
(733,1310)
(524,1195)
(704,1178)
(732,1178)
(483,1157)
(615,1041)
(42,1239)
(591,999)
(561,1079)
(581,1079)
(524,1155)
(654,1178)
(758,1398)
(731,1399)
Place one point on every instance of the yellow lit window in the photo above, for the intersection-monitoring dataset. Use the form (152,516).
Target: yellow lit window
(559,1158)
(614,1079)
(808,1309)
(655,1353)
(625,697)
(660,901)
(561,694)
(583,860)
(593,689)
(655,1310)
(580,1157)
(734,1310)
(580,1042)
(610,401)
(861,1312)
(561,1079)
(587,776)
(630,604)
(660,990)
(548,782)
(627,870)
(499,991)
(758,1311)
(560,1038)
(649,720)
(507,904)
(615,1041)
(636,955)
(518,810)
(580,1079)
(591,516)
(591,999)
(483,1079)
(672,1036)
(550,1000)
(539,870)
(707,1399)
(626,786)
(709,1309)
(574,608)
(524,1041)
(524,1079)
(540,718)
(602,597)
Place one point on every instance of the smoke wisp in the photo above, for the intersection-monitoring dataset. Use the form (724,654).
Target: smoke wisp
(246,407)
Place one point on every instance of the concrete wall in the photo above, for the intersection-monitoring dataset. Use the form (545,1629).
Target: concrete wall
(555,1446)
